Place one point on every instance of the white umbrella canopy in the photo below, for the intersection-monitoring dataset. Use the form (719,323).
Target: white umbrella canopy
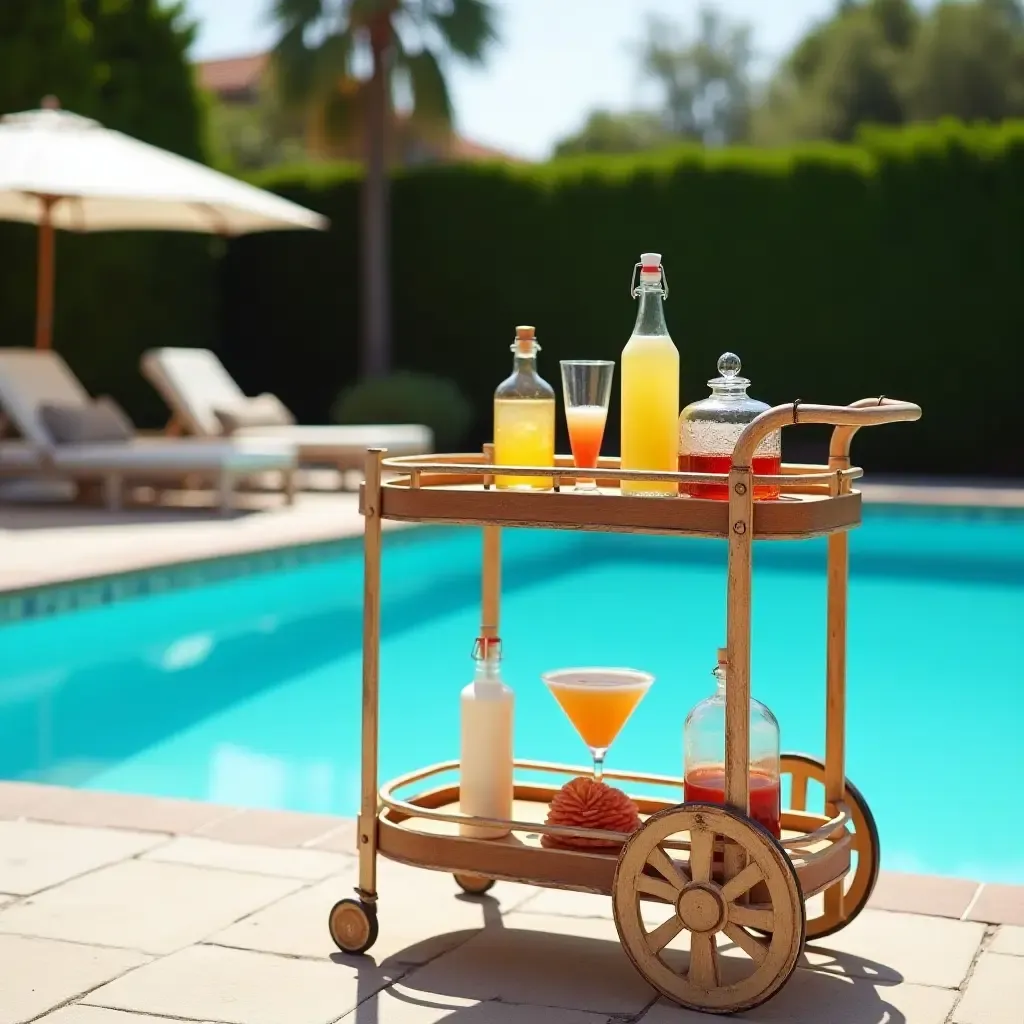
(59,170)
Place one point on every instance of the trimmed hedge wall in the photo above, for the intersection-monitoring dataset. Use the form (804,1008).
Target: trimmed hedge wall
(893,266)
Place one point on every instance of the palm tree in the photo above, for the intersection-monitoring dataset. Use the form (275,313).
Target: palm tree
(320,45)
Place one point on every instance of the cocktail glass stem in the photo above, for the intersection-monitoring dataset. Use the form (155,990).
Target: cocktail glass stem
(598,755)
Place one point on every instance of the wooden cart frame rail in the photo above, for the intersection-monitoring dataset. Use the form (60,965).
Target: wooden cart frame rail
(736,878)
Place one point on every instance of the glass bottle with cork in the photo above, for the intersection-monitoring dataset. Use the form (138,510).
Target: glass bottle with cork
(524,418)
(710,428)
(704,755)
(650,385)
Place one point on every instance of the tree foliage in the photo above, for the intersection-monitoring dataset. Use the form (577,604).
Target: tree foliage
(884,62)
(704,88)
(323,43)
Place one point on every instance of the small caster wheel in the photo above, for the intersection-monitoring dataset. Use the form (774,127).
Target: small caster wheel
(704,903)
(353,926)
(861,881)
(474,885)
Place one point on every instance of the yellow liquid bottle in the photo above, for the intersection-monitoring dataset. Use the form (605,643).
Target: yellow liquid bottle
(524,418)
(650,388)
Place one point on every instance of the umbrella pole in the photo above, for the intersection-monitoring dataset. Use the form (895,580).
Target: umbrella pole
(45,275)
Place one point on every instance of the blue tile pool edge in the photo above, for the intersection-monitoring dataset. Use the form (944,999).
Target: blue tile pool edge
(94,591)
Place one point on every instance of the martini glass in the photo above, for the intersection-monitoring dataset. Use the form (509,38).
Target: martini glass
(598,702)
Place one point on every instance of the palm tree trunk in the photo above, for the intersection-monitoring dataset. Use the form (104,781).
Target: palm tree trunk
(376,213)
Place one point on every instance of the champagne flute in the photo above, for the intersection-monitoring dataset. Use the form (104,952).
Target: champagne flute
(586,388)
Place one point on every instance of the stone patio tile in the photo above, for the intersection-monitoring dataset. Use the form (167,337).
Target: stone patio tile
(36,855)
(812,998)
(144,905)
(271,828)
(78,1013)
(242,987)
(36,975)
(341,840)
(923,894)
(901,947)
(311,865)
(18,798)
(995,993)
(399,1004)
(125,810)
(999,904)
(546,961)
(564,903)
(421,913)
(1008,939)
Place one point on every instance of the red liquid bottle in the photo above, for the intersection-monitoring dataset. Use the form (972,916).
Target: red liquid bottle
(710,428)
(704,755)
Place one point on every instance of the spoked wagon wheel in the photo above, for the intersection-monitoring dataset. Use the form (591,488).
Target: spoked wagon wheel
(353,925)
(861,883)
(704,905)
(473,885)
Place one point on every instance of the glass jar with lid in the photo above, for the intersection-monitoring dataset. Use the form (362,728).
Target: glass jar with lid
(710,428)
(704,754)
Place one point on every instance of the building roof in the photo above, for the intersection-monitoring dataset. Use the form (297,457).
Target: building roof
(233,74)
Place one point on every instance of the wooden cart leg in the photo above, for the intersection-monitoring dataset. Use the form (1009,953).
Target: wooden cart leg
(835,674)
(490,621)
(353,923)
(737,692)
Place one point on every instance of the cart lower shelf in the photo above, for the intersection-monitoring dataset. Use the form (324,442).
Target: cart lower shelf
(418,831)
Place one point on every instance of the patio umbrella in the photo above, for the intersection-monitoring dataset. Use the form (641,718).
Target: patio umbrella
(59,170)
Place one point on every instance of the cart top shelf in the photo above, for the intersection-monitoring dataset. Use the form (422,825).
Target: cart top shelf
(814,500)
(435,495)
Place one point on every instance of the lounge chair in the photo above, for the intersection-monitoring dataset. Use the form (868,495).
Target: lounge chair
(205,400)
(47,405)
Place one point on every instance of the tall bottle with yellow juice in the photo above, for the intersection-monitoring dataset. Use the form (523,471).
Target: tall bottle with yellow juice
(650,386)
(524,418)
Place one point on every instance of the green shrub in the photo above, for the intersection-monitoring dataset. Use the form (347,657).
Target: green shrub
(895,266)
(409,398)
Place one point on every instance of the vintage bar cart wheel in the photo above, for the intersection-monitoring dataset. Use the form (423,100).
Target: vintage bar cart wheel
(473,885)
(353,926)
(803,768)
(704,907)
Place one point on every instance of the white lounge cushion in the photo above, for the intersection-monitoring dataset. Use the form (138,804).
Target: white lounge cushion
(262,411)
(398,438)
(28,380)
(101,421)
(176,456)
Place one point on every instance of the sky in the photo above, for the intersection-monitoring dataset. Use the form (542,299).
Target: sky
(556,60)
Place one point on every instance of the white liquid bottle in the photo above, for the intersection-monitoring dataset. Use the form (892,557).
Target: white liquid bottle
(485,765)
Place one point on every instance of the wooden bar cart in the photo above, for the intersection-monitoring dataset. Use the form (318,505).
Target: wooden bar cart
(716,869)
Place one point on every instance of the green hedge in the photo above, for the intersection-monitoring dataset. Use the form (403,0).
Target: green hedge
(893,267)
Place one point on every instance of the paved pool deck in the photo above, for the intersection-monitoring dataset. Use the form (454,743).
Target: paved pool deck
(120,909)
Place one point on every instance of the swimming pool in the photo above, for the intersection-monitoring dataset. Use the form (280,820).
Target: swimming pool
(247,691)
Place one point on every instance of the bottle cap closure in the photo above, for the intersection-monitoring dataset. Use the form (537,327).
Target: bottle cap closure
(526,340)
(650,263)
(487,648)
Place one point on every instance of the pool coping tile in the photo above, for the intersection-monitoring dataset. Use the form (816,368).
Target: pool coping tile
(67,806)
(934,895)
(286,829)
(998,904)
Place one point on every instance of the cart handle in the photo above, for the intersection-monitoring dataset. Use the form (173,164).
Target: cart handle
(847,419)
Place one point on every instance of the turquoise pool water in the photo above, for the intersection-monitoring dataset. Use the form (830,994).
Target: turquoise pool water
(247,692)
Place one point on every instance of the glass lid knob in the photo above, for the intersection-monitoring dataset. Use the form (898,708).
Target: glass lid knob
(729,365)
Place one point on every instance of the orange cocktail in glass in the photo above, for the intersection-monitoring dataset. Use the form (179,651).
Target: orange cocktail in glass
(598,702)
(586,387)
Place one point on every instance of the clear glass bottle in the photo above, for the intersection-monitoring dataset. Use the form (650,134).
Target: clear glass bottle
(649,385)
(704,754)
(710,428)
(524,418)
